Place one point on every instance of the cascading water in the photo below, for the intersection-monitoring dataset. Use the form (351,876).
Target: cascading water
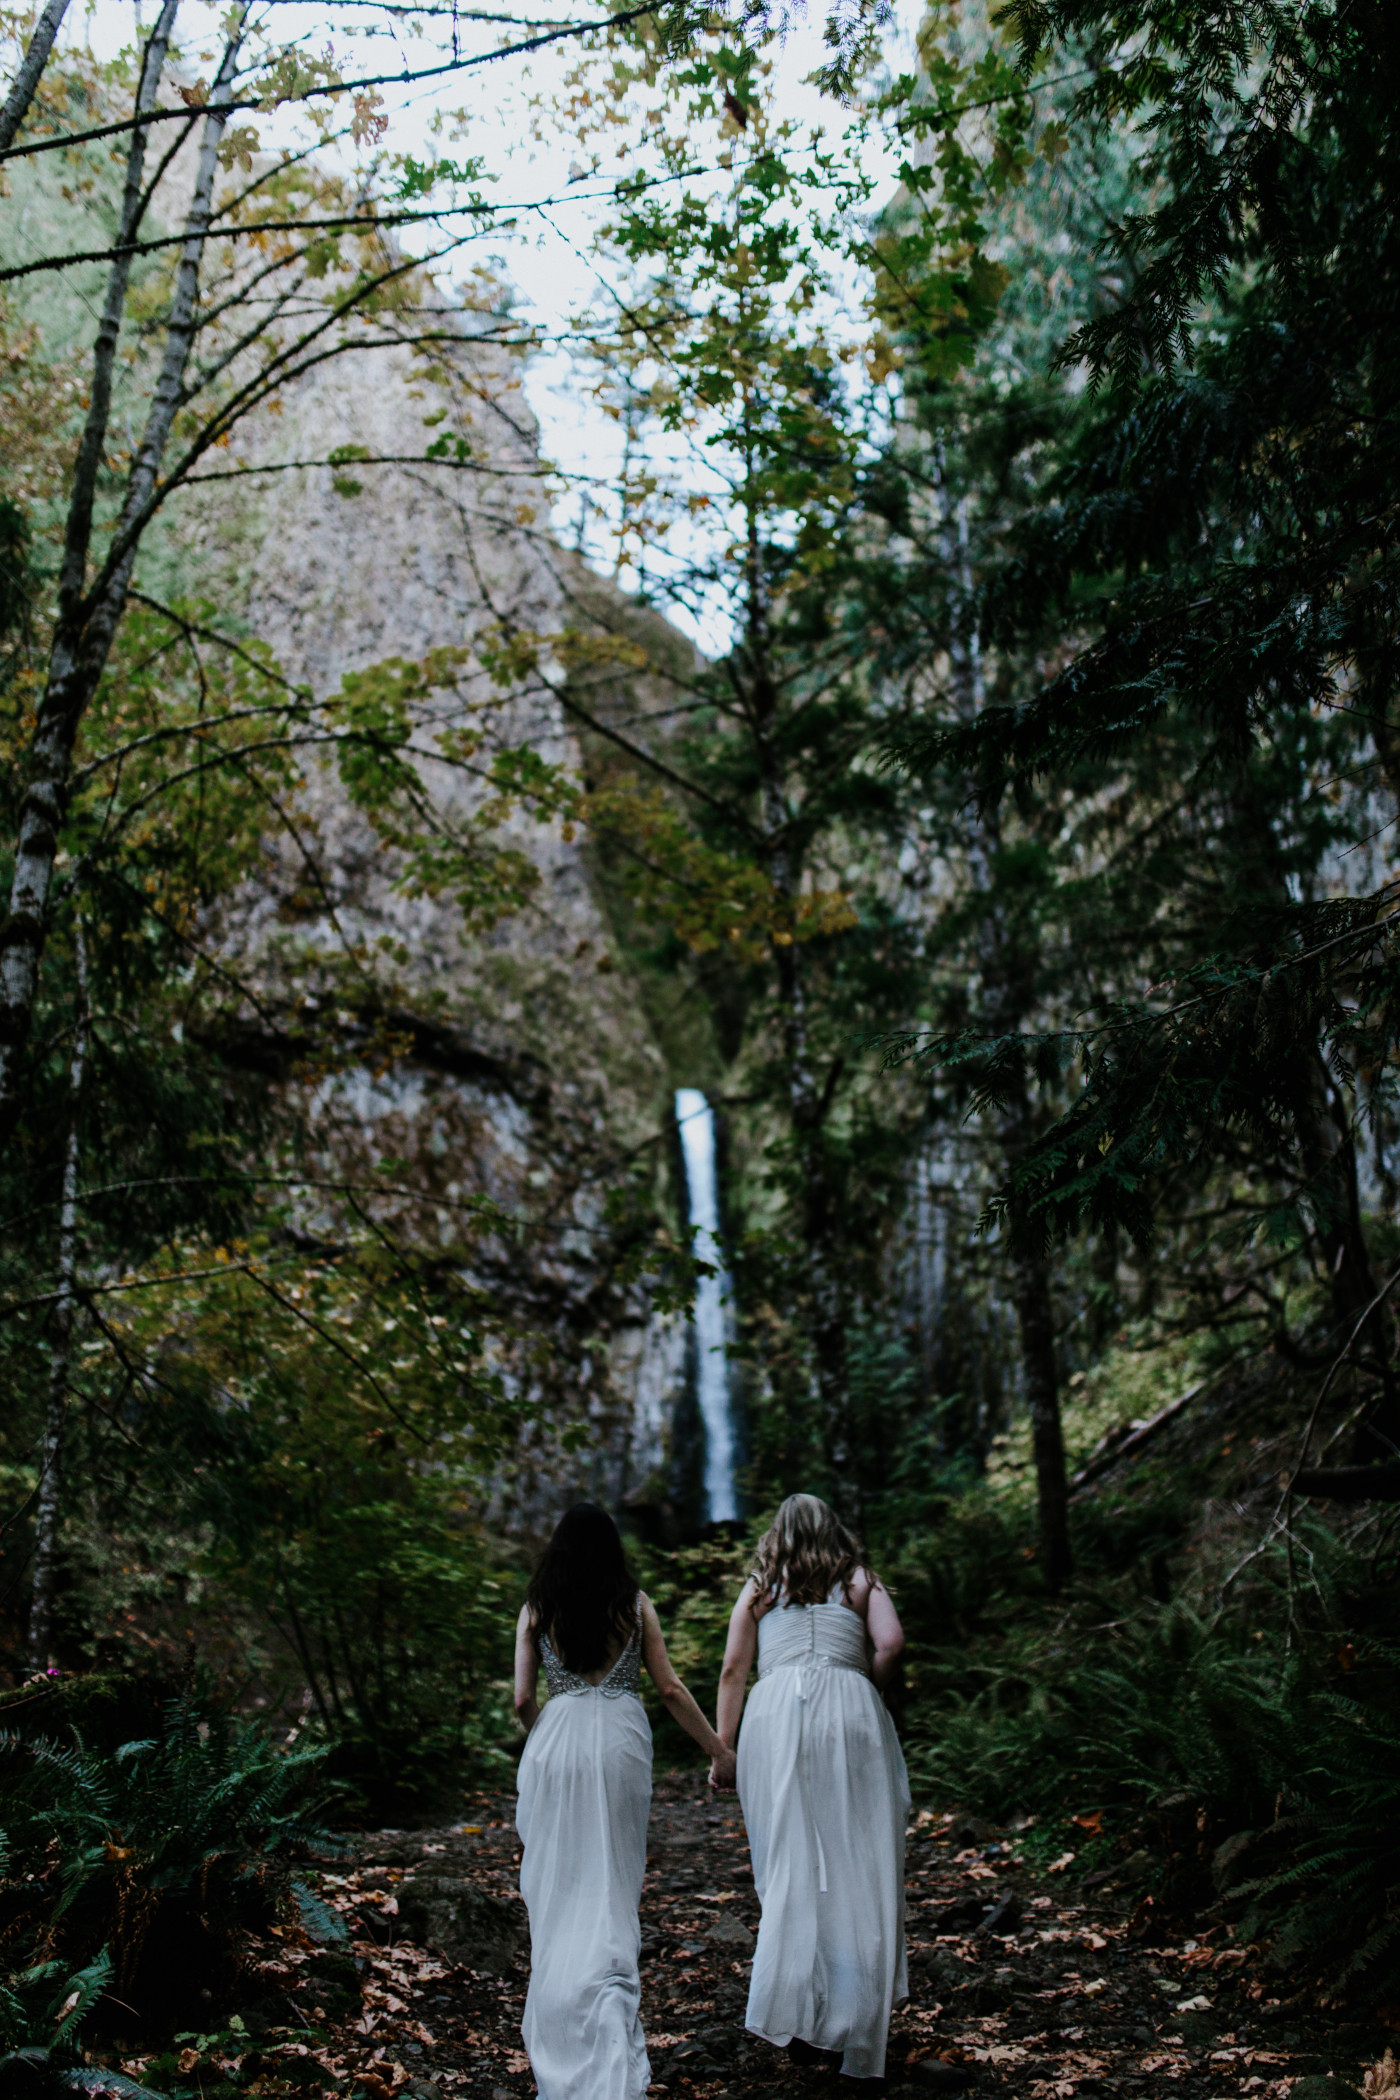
(697,1128)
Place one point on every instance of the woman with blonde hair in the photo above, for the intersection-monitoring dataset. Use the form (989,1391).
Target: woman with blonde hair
(823,1788)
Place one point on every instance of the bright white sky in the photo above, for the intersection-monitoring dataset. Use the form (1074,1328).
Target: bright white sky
(546,256)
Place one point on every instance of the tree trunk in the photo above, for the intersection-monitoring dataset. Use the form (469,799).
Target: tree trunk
(1327,1149)
(31,71)
(1004,978)
(88,620)
(1328,1152)
(808,1103)
(46,1519)
(1350,1483)
(1036,1320)
(827,1296)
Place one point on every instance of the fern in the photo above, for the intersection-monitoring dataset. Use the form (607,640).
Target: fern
(1239,1741)
(110,1849)
(44,2006)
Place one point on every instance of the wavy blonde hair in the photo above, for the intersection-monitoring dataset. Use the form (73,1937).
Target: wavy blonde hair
(804,1553)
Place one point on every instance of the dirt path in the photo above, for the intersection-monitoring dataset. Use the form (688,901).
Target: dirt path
(1017,1987)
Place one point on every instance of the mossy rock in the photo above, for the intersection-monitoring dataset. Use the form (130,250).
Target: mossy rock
(1324,2087)
(336,1980)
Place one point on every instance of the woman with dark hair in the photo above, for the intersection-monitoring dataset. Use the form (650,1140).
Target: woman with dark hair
(585,1797)
(823,1789)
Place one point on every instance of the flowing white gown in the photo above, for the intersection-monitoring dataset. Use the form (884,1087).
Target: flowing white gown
(826,1798)
(584,1802)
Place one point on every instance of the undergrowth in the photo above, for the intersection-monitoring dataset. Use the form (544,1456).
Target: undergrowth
(133,1870)
(1245,1742)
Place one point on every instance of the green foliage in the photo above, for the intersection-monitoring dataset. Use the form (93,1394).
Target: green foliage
(1206,555)
(693,1589)
(249,1450)
(1123,1723)
(42,2007)
(1051,1725)
(139,1864)
(326,1425)
(1332,1904)
(1122,908)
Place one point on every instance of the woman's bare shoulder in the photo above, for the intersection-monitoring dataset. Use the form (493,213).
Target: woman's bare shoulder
(861,1587)
(648,1611)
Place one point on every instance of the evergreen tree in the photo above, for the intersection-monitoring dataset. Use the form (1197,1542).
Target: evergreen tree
(1208,573)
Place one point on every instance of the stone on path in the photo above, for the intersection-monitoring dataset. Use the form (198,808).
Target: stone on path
(932,2075)
(461,1921)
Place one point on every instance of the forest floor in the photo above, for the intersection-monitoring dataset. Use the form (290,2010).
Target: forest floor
(1019,1984)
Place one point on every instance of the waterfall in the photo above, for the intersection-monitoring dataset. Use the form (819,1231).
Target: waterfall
(695,1119)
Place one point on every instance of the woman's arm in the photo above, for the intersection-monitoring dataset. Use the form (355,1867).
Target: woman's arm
(679,1703)
(527,1671)
(882,1624)
(739,1652)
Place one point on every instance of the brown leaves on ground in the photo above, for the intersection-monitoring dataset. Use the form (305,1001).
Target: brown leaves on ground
(1018,1985)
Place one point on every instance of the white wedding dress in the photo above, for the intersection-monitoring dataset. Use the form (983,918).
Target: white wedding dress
(584,1802)
(826,1799)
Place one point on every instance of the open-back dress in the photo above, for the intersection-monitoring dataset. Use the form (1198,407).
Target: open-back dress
(584,1801)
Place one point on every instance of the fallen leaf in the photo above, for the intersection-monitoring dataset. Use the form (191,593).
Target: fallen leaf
(1382,2081)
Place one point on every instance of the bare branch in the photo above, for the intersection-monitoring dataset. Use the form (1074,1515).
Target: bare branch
(403,78)
(32,65)
(1379,1483)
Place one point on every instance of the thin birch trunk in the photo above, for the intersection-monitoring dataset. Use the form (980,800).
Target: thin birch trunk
(88,622)
(78,537)
(31,71)
(46,1518)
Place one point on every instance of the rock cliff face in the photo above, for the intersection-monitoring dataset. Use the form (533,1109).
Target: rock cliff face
(521,1065)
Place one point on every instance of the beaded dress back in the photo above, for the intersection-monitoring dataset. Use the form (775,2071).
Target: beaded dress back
(625,1675)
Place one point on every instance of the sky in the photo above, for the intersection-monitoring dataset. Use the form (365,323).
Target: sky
(545,257)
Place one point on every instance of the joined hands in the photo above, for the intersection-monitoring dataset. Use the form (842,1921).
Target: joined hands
(722,1771)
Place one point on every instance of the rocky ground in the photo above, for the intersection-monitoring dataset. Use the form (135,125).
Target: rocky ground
(406,1977)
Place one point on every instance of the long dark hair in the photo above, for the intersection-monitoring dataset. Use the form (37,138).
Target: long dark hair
(583,1594)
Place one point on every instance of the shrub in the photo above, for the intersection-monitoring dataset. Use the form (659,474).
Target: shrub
(1169,1728)
(141,1866)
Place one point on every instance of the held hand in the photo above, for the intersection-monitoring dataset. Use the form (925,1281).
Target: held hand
(722,1772)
